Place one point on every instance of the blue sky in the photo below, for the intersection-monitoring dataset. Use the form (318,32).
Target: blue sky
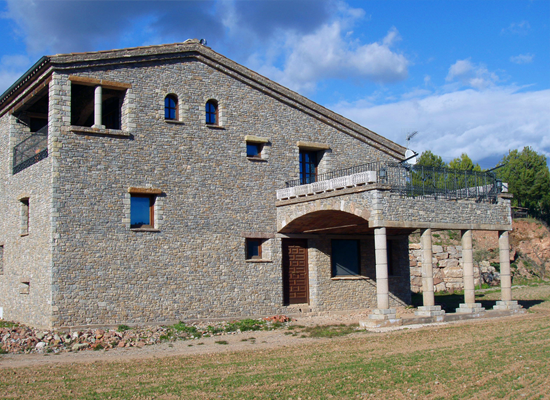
(469,76)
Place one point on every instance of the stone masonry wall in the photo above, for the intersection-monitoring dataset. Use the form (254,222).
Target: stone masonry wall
(347,293)
(447,269)
(25,282)
(212,197)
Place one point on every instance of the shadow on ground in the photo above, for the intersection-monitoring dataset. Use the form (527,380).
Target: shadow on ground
(450,302)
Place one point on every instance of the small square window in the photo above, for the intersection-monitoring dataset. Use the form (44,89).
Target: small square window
(254,149)
(254,249)
(142,211)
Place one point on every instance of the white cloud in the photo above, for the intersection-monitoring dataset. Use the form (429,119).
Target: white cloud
(523,58)
(517,28)
(482,124)
(329,54)
(470,74)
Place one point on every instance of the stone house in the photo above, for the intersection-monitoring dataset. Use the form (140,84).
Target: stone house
(165,183)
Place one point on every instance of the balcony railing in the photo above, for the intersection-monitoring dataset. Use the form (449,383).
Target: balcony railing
(31,150)
(408,180)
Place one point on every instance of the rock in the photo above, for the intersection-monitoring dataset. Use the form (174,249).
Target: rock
(79,346)
(452,272)
(437,249)
(40,335)
(442,256)
(40,345)
(415,246)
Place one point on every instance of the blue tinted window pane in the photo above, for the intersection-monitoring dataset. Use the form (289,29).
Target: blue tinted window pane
(345,257)
(169,108)
(252,249)
(253,150)
(140,211)
(210,113)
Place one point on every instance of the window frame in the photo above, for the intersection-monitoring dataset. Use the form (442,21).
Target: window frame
(334,273)
(152,200)
(305,165)
(248,242)
(24,215)
(259,148)
(209,114)
(175,108)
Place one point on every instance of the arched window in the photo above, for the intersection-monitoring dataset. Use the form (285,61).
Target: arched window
(212,112)
(171,107)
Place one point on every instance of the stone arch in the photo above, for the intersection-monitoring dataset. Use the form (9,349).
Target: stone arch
(326,221)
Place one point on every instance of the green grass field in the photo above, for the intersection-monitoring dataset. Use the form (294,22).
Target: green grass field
(505,358)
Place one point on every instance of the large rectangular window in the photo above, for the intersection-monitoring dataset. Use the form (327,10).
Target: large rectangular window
(142,211)
(308,166)
(345,257)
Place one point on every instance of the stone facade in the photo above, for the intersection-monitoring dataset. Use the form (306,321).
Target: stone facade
(448,269)
(83,264)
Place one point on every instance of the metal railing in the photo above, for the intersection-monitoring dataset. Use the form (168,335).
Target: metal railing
(31,150)
(410,180)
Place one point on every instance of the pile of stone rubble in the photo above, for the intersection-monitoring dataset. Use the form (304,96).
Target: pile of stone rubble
(22,339)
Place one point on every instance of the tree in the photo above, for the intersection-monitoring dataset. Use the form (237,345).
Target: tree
(464,163)
(429,159)
(528,179)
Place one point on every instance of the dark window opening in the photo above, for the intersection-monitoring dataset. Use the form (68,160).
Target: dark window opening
(82,105)
(111,108)
(308,166)
(212,112)
(345,258)
(254,150)
(171,107)
(254,249)
(142,209)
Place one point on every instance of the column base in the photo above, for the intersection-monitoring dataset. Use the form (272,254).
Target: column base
(470,308)
(507,305)
(381,318)
(429,311)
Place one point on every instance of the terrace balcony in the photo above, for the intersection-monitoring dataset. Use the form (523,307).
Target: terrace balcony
(31,150)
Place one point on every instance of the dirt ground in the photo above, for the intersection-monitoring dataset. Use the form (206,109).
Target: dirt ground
(257,340)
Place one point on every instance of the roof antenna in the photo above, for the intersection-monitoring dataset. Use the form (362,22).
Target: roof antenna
(410,155)
(203,42)
(410,136)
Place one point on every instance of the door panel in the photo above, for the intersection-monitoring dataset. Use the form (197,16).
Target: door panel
(295,271)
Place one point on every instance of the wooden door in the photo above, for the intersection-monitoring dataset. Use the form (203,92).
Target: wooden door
(295,271)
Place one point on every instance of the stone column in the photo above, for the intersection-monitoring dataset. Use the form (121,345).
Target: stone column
(427,269)
(506,302)
(381,257)
(428,309)
(469,305)
(98,102)
(383,315)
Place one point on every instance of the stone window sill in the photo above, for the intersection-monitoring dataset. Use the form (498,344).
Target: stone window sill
(144,230)
(256,159)
(214,126)
(258,261)
(348,278)
(98,131)
(24,234)
(173,121)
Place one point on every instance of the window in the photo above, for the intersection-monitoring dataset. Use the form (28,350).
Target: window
(142,211)
(24,216)
(212,112)
(254,249)
(254,150)
(345,257)
(171,107)
(308,166)
(1,259)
